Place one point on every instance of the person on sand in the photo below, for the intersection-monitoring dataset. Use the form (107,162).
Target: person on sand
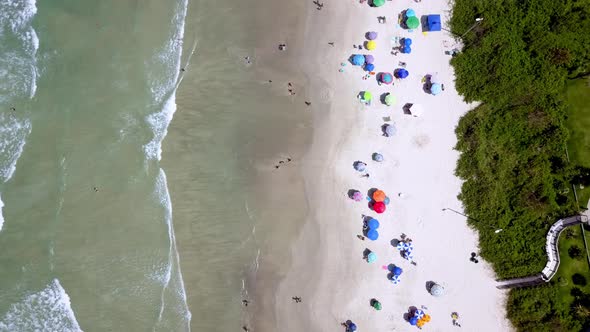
(245,303)
(362,238)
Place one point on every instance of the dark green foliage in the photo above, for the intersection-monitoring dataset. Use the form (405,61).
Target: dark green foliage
(579,280)
(516,62)
(575,252)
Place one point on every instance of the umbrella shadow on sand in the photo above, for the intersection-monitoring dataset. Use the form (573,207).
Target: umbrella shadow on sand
(429,285)
(382,97)
(394,242)
(427,83)
(371,192)
(366,253)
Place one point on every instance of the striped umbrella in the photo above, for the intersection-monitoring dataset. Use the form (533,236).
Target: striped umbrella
(419,313)
(400,246)
(395,280)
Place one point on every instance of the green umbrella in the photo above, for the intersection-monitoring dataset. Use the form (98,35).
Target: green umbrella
(377,305)
(367,96)
(378,3)
(389,99)
(412,22)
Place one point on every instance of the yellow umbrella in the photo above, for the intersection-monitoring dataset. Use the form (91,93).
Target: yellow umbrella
(370,45)
(427,318)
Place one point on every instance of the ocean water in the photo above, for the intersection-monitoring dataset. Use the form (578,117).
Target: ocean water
(87,239)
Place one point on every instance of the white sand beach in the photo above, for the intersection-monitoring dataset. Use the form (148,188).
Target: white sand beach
(329,272)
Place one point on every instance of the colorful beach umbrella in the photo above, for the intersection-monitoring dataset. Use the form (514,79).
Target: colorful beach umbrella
(397,271)
(369,58)
(406,49)
(401,73)
(350,326)
(378,3)
(419,313)
(400,246)
(435,88)
(407,41)
(436,290)
(373,223)
(410,12)
(371,35)
(371,257)
(385,78)
(376,304)
(389,130)
(377,157)
(371,45)
(378,195)
(413,321)
(360,166)
(358,60)
(389,99)
(367,96)
(395,280)
(426,318)
(357,196)
(379,207)
(369,67)
(412,22)
(372,234)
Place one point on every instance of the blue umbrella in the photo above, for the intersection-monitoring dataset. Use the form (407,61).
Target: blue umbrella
(369,67)
(435,88)
(410,12)
(407,41)
(397,271)
(401,73)
(360,166)
(358,60)
(386,200)
(386,78)
(372,234)
(371,257)
(400,246)
(377,157)
(373,223)
(395,280)
(419,314)
(413,320)
(407,50)
(351,326)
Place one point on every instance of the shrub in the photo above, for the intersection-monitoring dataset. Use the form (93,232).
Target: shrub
(579,279)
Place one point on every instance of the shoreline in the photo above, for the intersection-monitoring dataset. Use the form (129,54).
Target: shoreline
(328,271)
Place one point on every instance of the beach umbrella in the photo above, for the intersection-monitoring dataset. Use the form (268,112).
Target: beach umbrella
(419,313)
(350,326)
(407,41)
(436,290)
(400,246)
(378,3)
(357,196)
(412,22)
(367,96)
(360,166)
(371,35)
(406,50)
(401,73)
(371,257)
(373,223)
(386,200)
(369,58)
(372,234)
(369,67)
(389,130)
(377,156)
(379,195)
(389,99)
(427,317)
(410,12)
(371,45)
(408,246)
(358,60)
(386,78)
(413,321)
(454,315)
(435,88)
(416,110)
(397,271)
(376,304)
(395,280)
(379,207)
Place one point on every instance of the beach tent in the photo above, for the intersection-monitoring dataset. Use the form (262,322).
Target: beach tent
(412,22)
(435,89)
(360,166)
(406,50)
(397,271)
(378,3)
(389,99)
(369,67)
(371,45)
(369,58)
(358,60)
(357,196)
(385,78)
(433,22)
(377,156)
(414,320)
(373,223)
(372,234)
(401,73)
(389,130)
(379,207)
(436,290)
(379,195)
(371,35)
(371,257)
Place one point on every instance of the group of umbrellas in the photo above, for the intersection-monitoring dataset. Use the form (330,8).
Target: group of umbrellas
(411,21)
(371,233)
(378,201)
(406,45)
(395,275)
(419,318)
(406,248)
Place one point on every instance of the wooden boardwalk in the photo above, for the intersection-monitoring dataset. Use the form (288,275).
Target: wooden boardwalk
(552,249)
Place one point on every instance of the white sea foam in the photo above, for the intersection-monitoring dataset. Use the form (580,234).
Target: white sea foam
(47,310)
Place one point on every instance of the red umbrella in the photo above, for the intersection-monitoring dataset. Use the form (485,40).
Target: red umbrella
(379,207)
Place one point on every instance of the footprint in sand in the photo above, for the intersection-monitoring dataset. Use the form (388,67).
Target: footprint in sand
(421,140)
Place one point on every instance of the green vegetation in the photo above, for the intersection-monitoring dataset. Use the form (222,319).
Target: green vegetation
(518,62)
